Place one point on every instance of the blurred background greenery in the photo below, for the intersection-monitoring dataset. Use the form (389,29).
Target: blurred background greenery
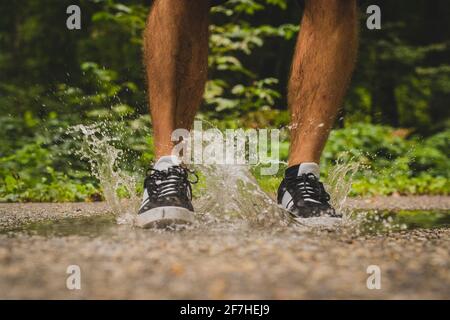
(395,118)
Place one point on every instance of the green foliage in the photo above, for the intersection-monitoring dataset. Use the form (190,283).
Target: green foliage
(29,175)
(52,78)
(392,163)
(44,169)
(389,162)
(256,96)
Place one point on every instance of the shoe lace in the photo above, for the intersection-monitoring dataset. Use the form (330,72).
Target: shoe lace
(307,186)
(173,181)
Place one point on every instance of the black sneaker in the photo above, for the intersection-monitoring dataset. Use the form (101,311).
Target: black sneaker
(302,194)
(167,198)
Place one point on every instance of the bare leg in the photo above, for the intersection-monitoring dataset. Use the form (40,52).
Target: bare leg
(176,59)
(321,70)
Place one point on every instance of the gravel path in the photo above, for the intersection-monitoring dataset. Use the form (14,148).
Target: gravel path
(221,260)
(15,214)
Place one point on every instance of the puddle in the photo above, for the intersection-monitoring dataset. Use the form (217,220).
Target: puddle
(423,219)
(83,226)
(228,198)
(384,221)
(224,192)
(358,222)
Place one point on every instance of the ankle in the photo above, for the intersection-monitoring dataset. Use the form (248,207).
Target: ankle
(303,168)
(165,162)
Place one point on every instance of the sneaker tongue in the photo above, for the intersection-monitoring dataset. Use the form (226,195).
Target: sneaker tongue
(166,162)
(309,167)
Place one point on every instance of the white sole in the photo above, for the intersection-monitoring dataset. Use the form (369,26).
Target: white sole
(164,217)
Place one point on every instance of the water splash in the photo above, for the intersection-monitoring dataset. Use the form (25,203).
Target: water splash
(339,181)
(97,147)
(231,191)
(228,193)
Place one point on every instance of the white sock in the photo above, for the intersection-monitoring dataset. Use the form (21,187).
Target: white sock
(309,167)
(165,162)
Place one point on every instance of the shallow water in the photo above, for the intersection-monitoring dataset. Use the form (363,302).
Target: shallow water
(360,223)
(228,198)
(225,191)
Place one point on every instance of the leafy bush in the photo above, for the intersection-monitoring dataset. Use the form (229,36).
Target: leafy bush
(402,80)
(44,168)
(29,175)
(390,163)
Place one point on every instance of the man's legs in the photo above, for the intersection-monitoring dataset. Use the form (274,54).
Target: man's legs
(176,59)
(323,62)
(321,70)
